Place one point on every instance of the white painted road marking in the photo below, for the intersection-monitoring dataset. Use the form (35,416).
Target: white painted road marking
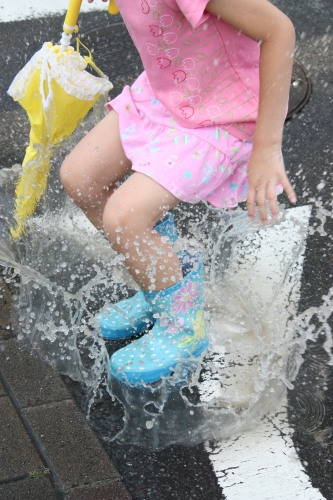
(14,10)
(262,463)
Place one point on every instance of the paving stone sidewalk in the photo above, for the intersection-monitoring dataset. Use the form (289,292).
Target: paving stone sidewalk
(47,450)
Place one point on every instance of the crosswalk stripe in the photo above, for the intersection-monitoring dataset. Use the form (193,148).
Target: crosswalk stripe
(262,463)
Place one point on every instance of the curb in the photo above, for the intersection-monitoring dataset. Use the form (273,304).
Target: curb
(49,451)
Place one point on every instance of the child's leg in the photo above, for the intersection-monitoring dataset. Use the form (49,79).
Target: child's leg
(176,302)
(129,218)
(89,174)
(90,171)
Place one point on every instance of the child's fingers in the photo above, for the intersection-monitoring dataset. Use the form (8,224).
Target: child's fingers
(261,203)
(257,197)
(289,190)
(250,202)
(260,195)
(271,198)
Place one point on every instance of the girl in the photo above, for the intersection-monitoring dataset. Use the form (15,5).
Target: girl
(193,126)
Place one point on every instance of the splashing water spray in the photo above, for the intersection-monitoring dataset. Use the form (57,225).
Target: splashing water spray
(64,274)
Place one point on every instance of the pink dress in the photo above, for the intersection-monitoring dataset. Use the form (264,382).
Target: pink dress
(188,120)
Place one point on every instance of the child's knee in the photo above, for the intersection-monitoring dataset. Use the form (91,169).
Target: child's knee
(122,224)
(77,184)
(66,176)
(116,222)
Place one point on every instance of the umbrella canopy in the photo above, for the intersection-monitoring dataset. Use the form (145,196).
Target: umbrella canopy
(57,93)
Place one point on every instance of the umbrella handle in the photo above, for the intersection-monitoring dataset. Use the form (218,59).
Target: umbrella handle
(71,20)
(73,13)
(70,23)
(74,10)
(113,8)
(71,16)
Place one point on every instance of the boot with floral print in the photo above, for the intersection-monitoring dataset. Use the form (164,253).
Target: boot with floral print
(179,331)
(132,316)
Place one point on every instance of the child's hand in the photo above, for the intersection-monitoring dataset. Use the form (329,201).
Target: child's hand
(263,22)
(266,171)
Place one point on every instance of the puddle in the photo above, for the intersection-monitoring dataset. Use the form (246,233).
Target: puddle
(64,273)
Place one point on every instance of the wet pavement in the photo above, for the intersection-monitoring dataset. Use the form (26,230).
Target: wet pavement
(47,448)
(309,156)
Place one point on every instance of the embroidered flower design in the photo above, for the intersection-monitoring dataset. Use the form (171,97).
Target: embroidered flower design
(174,326)
(154,102)
(185,299)
(234,152)
(199,327)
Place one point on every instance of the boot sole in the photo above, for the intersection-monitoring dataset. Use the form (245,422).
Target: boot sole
(140,378)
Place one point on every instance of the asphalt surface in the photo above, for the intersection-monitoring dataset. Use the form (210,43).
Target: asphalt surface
(186,473)
(47,450)
(309,158)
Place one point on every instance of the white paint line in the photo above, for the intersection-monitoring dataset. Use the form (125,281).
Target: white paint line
(250,321)
(262,463)
(14,10)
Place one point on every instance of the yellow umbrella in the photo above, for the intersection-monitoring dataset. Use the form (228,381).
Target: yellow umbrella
(57,93)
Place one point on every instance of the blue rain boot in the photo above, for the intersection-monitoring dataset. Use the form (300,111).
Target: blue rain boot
(132,316)
(179,332)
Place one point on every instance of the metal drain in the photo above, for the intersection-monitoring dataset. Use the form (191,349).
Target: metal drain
(300,89)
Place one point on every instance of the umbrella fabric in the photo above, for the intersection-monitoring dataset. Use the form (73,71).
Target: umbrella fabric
(57,93)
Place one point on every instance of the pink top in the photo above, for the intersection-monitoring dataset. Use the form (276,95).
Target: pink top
(204,71)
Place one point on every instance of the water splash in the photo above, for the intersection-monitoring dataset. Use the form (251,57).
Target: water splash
(68,273)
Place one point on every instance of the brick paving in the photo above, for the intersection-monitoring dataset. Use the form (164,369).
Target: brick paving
(47,450)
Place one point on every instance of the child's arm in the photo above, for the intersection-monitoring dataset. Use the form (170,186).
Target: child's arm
(263,22)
